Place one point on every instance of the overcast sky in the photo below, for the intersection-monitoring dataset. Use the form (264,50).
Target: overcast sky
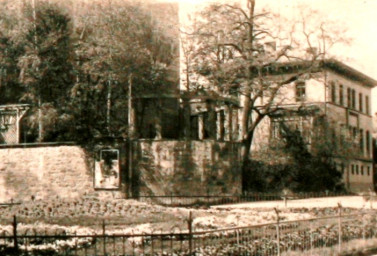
(358,16)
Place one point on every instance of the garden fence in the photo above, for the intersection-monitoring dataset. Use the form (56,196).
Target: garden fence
(302,237)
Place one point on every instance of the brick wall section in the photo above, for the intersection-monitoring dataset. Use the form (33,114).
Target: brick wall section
(187,167)
(43,172)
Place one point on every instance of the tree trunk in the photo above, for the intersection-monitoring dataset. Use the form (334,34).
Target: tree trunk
(108,105)
(245,156)
(246,150)
(247,132)
(40,121)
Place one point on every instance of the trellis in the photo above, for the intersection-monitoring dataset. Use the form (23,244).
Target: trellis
(10,118)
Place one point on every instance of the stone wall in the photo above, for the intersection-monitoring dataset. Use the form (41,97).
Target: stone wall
(43,172)
(186,167)
(160,167)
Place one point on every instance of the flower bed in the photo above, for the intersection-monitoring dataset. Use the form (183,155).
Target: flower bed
(85,216)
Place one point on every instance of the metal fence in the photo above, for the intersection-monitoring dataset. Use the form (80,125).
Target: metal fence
(279,238)
(207,200)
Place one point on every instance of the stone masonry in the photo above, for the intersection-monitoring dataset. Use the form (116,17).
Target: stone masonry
(44,172)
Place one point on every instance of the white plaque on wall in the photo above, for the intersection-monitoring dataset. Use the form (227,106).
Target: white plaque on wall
(106,174)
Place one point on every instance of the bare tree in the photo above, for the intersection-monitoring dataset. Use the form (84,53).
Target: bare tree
(238,52)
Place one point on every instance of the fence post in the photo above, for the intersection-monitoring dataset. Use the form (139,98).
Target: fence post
(311,237)
(189,223)
(285,195)
(340,227)
(277,230)
(15,242)
(104,237)
(363,218)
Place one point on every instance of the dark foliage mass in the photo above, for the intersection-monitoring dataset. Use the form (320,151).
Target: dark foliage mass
(74,67)
(307,171)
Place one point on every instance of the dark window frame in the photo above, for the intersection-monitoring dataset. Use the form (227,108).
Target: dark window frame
(333,92)
(349,98)
(367,108)
(353,101)
(360,102)
(341,99)
(300,87)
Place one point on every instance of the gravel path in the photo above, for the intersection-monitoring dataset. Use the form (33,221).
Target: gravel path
(323,202)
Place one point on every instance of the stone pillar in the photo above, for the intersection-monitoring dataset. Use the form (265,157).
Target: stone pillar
(158,128)
(186,115)
(158,120)
(235,124)
(201,126)
(228,123)
(220,125)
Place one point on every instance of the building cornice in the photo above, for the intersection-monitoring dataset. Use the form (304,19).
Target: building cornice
(294,67)
(349,72)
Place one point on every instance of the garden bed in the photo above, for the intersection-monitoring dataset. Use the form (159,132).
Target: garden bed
(121,214)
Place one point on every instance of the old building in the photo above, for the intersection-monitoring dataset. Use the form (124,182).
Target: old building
(338,96)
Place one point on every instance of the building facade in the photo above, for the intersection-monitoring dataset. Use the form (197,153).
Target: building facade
(336,99)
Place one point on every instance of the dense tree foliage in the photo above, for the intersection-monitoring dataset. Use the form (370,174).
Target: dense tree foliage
(303,170)
(75,65)
(10,51)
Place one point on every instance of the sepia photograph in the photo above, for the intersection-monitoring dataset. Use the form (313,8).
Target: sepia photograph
(188,127)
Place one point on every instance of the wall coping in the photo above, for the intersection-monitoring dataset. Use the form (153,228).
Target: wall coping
(72,143)
(187,140)
(38,144)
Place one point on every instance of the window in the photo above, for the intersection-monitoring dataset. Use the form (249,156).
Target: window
(352,169)
(294,123)
(275,129)
(367,105)
(368,142)
(354,133)
(357,169)
(353,99)
(341,102)
(362,170)
(333,92)
(360,102)
(361,135)
(349,97)
(350,131)
(300,91)
(368,170)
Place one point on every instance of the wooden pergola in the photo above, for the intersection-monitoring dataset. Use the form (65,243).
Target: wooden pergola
(10,118)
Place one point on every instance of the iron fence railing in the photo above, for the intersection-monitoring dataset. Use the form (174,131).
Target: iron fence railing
(278,238)
(199,200)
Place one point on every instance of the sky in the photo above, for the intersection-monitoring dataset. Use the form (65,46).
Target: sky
(358,16)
